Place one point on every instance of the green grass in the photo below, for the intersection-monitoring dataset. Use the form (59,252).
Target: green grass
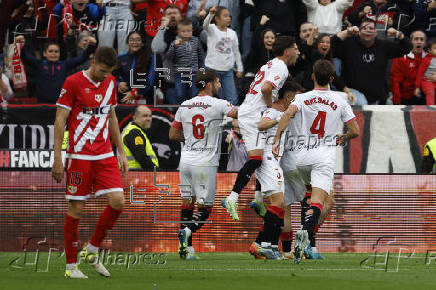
(225,271)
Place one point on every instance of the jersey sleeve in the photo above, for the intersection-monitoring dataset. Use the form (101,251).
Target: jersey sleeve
(177,123)
(225,107)
(277,75)
(268,114)
(67,95)
(297,102)
(347,114)
(114,98)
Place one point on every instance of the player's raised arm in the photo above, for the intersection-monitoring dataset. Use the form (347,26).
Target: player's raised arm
(284,121)
(57,171)
(114,131)
(352,132)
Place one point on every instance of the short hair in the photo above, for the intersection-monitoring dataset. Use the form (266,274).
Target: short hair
(367,20)
(281,44)
(431,42)
(204,77)
(51,42)
(184,22)
(136,111)
(415,31)
(106,55)
(172,6)
(323,71)
(290,86)
(219,10)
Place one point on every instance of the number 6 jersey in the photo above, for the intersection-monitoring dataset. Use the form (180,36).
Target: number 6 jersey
(200,119)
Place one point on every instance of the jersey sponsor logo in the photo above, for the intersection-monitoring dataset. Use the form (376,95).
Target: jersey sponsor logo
(98,97)
(103,110)
(139,141)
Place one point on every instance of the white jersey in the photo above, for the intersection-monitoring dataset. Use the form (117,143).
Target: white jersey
(318,117)
(201,125)
(271,114)
(274,72)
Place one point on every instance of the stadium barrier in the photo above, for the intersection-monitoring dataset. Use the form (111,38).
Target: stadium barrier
(371,211)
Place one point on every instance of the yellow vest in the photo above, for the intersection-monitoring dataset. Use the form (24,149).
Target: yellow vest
(138,140)
(432,145)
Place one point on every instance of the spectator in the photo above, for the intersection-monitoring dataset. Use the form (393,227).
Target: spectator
(118,21)
(77,47)
(305,41)
(138,148)
(246,10)
(365,59)
(5,87)
(223,51)
(385,14)
(231,5)
(425,16)
(77,14)
(7,7)
(426,70)
(156,9)
(322,50)
(52,72)
(186,53)
(404,70)
(139,61)
(327,15)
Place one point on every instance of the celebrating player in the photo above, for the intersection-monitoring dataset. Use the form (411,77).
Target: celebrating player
(86,103)
(261,94)
(198,123)
(319,112)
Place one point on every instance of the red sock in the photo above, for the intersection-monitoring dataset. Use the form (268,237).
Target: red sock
(71,237)
(105,222)
(286,236)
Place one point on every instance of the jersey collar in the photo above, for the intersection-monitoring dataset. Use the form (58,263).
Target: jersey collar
(90,80)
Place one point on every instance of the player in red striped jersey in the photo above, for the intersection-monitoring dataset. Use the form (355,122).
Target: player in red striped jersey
(86,104)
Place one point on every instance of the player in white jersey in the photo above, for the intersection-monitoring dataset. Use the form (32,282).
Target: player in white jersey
(270,176)
(260,96)
(198,123)
(320,112)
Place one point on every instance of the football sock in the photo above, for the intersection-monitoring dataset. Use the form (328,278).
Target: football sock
(71,237)
(311,220)
(258,192)
(105,222)
(186,215)
(304,206)
(202,215)
(273,222)
(286,238)
(245,173)
(259,238)
(312,236)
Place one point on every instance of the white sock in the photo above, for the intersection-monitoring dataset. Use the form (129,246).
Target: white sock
(191,250)
(188,231)
(91,248)
(71,266)
(265,244)
(233,196)
(258,196)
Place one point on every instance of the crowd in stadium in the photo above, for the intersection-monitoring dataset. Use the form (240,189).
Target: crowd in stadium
(377,46)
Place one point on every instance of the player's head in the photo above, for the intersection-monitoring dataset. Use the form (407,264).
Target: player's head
(286,48)
(184,29)
(51,51)
(323,72)
(207,82)
(289,90)
(104,62)
(142,116)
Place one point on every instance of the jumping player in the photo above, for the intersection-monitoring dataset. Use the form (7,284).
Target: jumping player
(320,112)
(198,123)
(86,104)
(260,96)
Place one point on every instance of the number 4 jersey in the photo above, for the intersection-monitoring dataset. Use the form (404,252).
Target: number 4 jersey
(200,119)
(89,104)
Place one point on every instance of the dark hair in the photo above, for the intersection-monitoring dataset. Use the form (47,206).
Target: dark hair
(320,36)
(431,42)
(47,45)
(290,86)
(323,70)
(184,22)
(219,10)
(172,6)
(281,44)
(204,77)
(143,56)
(367,20)
(106,55)
(262,34)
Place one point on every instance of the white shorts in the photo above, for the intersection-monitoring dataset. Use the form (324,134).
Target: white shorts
(317,168)
(199,182)
(270,176)
(295,189)
(288,160)
(248,122)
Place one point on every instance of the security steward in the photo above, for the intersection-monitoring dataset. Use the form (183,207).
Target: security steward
(429,157)
(140,153)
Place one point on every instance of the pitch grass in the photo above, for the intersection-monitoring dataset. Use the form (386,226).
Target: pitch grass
(227,271)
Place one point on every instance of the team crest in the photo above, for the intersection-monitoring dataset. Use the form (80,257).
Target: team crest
(72,189)
(98,98)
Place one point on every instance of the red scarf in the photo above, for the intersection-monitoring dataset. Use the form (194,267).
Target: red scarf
(19,73)
(67,13)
